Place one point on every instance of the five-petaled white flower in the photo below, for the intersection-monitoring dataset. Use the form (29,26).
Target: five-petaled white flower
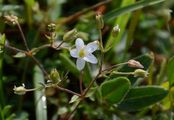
(84,53)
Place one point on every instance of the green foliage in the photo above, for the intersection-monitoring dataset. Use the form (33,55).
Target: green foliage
(170,69)
(112,41)
(115,90)
(6,114)
(20,55)
(2,42)
(96,92)
(138,5)
(140,97)
(69,65)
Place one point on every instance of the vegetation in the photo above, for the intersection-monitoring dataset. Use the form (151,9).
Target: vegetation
(90,60)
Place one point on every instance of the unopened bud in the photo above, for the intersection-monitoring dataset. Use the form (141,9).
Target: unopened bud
(135,64)
(99,20)
(51,27)
(70,35)
(54,75)
(115,30)
(140,73)
(11,19)
(21,90)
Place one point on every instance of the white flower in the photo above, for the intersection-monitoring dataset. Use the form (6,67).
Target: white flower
(84,53)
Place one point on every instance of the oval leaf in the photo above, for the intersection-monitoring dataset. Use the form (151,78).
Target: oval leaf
(140,97)
(20,55)
(115,90)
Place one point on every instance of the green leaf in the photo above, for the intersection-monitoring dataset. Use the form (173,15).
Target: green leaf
(69,65)
(6,110)
(11,117)
(74,98)
(131,30)
(122,22)
(2,42)
(140,97)
(115,90)
(138,5)
(170,69)
(10,7)
(20,55)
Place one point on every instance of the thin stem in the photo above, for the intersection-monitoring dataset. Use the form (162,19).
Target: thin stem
(2,98)
(40,66)
(12,48)
(23,37)
(100,40)
(68,91)
(81,12)
(114,66)
(60,44)
(92,82)
(69,116)
(101,62)
(81,82)
(123,73)
(43,46)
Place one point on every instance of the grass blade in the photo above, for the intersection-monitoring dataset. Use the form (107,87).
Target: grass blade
(40,98)
(138,5)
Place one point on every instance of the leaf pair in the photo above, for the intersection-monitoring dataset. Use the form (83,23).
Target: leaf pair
(119,91)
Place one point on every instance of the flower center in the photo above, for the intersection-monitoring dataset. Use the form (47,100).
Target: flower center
(82,53)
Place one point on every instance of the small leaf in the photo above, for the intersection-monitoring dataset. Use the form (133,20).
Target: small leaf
(115,90)
(20,55)
(69,65)
(90,93)
(140,97)
(6,110)
(170,69)
(11,117)
(74,98)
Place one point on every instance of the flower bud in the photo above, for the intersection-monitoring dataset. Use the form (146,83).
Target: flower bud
(21,90)
(51,27)
(135,64)
(140,73)
(11,19)
(115,30)
(54,75)
(99,20)
(70,35)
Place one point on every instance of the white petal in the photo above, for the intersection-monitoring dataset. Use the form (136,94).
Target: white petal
(91,58)
(74,53)
(80,63)
(79,43)
(91,47)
